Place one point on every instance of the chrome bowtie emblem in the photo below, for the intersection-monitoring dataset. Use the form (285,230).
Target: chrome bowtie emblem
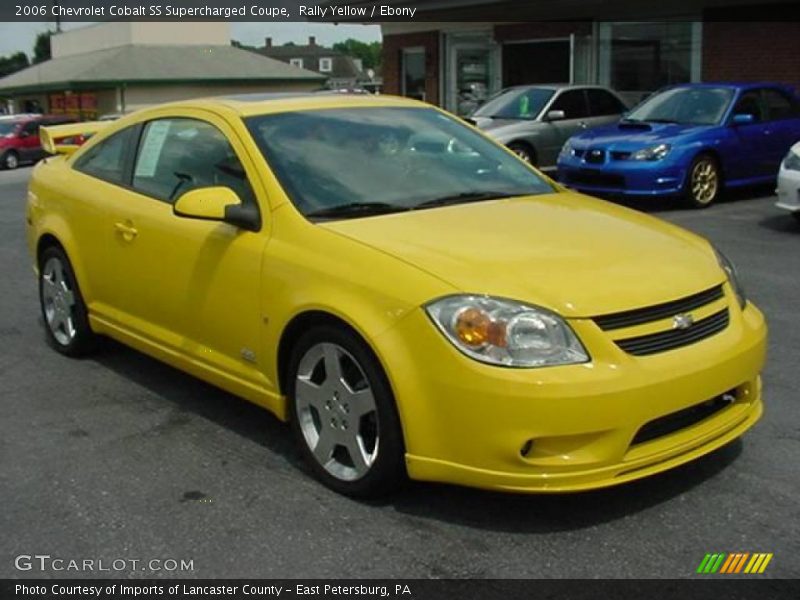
(682,321)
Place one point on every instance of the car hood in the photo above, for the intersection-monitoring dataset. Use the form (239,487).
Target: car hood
(633,136)
(572,254)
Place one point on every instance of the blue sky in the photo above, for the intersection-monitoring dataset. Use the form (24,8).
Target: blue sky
(20,36)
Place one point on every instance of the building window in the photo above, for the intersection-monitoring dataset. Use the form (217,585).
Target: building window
(413,73)
(325,65)
(296,62)
(639,58)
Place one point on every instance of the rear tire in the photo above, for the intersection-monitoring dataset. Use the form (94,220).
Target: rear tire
(63,309)
(796,215)
(524,152)
(343,415)
(703,182)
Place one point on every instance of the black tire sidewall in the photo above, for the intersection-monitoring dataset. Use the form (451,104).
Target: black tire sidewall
(523,147)
(689,196)
(388,471)
(4,161)
(84,340)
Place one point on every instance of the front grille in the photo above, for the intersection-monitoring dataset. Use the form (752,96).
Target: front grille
(638,316)
(675,338)
(620,155)
(600,178)
(595,156)
(683,418)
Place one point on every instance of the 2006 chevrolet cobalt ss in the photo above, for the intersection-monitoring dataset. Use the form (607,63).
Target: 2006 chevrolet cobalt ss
(408,294)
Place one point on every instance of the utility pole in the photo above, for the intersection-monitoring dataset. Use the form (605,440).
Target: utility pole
(58,16)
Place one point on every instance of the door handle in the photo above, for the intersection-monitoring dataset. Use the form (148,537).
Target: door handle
(127,230)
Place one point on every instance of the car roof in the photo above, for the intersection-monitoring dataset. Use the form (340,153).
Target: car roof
(246,105)
(741,85)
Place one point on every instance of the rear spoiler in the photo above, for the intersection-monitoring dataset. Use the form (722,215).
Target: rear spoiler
(66,139)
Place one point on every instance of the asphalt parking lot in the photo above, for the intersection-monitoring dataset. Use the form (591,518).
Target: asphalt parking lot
(121,457)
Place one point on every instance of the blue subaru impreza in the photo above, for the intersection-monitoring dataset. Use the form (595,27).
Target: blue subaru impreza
(688,140)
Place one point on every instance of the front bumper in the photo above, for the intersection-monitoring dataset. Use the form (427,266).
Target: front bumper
(622,177)
(788,190)
(468,423)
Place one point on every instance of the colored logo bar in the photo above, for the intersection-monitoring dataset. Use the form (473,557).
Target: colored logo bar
(737,562)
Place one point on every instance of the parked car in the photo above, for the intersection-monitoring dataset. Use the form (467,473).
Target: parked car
(789,182)
(690,140)
(411,297)
(19,139)
(535,120)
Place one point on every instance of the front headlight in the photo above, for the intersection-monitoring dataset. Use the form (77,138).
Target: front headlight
(792,160)
(733,277)
(652,153)
(507,333)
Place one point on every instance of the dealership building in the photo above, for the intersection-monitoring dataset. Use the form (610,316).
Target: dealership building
(457,52)
(120,66)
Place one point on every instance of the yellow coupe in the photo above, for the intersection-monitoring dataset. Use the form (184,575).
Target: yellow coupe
(409,295)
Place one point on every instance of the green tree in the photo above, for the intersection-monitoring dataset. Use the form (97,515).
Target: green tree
(13,63)
(41,48)
(369,53)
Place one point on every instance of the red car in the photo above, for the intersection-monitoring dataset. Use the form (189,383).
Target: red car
(19,138)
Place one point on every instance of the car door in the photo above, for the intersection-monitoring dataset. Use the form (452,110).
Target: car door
(783,117)
(190,287)
(576,113)
(748,155)
(30,148)
(604,107)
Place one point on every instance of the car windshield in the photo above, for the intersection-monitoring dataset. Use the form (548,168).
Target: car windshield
(6,128)
(344,163)
(516,103)
(688,106)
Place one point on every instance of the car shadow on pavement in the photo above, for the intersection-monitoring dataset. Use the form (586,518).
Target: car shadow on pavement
(191,395)
(782,223)
(494,511)
(658,205)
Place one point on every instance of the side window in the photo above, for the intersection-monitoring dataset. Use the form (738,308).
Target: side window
(106,160)
(778,105)
(31,128)
(178,155)
(573,103)
(750,104)
(602,103)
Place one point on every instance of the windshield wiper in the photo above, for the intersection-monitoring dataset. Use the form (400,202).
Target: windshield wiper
(356,209)
(464,198)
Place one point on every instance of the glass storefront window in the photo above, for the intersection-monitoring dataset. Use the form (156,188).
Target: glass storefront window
(413,78)
(639,58)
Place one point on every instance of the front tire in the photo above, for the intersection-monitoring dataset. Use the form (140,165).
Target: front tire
(343,414)
(524,152)
(703,182)
(63,310)
(10,160)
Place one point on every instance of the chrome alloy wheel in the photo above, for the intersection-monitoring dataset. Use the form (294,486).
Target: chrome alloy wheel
(58,301)
(11,161)
(704,181)
(336,411)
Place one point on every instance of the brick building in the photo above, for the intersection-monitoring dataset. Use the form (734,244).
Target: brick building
(457,52)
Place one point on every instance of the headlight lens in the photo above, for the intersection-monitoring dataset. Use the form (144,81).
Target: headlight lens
(507,333)
(792,160)
(652,153)
(733,277)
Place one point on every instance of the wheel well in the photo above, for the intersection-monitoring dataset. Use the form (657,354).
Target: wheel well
(523,143)
(713,154)
(292,332)
(46,241)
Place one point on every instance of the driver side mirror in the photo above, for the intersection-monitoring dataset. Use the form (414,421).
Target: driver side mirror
(217,204)
(555,115)
(743,119)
